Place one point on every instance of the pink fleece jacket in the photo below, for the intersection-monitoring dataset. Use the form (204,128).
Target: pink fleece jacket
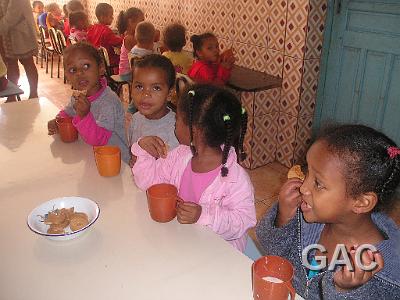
(227,203)
(87,127)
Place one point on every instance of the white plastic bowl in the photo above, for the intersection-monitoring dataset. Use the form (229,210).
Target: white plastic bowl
(87,206)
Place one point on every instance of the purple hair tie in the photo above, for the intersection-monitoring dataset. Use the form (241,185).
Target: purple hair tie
(393,152)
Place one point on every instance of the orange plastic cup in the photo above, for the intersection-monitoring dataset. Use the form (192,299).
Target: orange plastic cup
(67,130)
(272,278)
(161,199)
(108,160)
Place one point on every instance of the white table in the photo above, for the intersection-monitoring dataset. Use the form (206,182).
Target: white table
(125,255)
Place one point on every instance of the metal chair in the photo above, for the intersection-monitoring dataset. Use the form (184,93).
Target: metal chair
(56,45)
(115,82)
(63,44)
(44,47)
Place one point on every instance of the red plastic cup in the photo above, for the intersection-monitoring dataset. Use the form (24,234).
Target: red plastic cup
(161,199)
(67,130)
(272,278)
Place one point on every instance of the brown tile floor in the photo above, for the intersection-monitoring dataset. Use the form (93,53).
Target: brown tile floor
(267,180)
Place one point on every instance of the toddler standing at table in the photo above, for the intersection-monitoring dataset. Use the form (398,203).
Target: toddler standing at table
(214,190)
(353,171)
(174,38)
(209,67)
(153,80)
(96,111)
(127,22)
(100,34)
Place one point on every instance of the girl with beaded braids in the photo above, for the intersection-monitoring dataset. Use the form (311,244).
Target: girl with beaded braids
(352,174)
(213,189)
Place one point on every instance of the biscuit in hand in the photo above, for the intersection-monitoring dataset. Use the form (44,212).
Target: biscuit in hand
(296,172)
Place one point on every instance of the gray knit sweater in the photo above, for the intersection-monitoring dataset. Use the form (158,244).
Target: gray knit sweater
(108,113)
(289,240)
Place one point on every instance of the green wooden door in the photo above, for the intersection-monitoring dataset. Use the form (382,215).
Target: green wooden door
(360,76)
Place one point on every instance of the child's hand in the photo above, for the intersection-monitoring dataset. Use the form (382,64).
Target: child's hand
(187,212)
(289,200)
(154,146)
(346,280)
(132,161)
(82,105)
(52,127)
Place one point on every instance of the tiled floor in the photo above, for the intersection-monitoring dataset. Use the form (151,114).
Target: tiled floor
(267,180)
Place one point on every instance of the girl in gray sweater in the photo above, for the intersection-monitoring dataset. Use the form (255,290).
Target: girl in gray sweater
(352,174)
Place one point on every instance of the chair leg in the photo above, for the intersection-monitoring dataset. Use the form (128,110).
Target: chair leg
(52,63)
(47,62)
(58,66)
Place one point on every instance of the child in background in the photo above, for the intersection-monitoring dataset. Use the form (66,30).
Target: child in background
(71,6)
(79,23)
(153,80)
(96,111)
(37,10)
(100,34)
(54,16)
(174,39)
(127,22)
(353,171)
(214,190)
(209,66)
(144,34)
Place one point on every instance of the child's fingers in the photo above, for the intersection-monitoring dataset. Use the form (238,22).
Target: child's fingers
(378,258)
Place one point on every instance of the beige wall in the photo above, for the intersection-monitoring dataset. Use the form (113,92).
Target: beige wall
(281,37)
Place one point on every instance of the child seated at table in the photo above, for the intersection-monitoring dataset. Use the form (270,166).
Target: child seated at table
(79,22)
(96,111)
(144,34)
(174,39)
(127,22)
(54,16)
(214,190)
(100,34)
(70,7)
(153,80)
(209,66)
(353,172)
(37,10)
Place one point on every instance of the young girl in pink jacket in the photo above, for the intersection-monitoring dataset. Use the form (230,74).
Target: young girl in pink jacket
(96,111)
(214,190)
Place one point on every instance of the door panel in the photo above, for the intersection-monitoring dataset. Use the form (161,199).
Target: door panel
(360,83)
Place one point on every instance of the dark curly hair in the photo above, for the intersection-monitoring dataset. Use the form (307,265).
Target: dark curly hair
(77,16)
(131,13)
(160,62)
(198,40)
(102,9)
(220,115)
(84,47)
(367,166)
(174,37)
(74,5)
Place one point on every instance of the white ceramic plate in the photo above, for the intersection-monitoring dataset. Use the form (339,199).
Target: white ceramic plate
(87,206)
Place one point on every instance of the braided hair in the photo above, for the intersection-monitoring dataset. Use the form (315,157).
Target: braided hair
(220,116)
(368,164)
(131,13)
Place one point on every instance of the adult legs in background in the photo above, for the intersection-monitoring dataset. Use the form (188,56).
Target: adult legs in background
(32,74)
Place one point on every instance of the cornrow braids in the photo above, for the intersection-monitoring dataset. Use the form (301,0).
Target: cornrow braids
(191,94)
(227,144)
(243,128)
